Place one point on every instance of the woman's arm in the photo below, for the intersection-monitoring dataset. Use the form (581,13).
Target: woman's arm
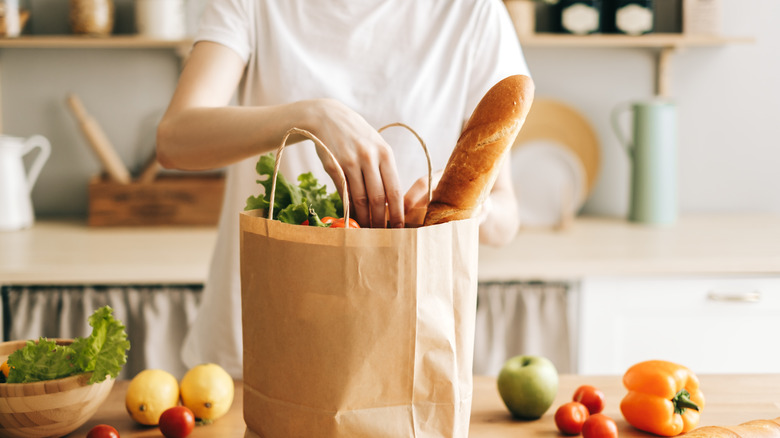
(199,131)
(502,218)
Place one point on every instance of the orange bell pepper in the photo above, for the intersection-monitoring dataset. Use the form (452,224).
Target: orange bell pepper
(663,398)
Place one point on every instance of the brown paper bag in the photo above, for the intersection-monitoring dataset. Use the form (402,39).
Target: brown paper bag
(357,332)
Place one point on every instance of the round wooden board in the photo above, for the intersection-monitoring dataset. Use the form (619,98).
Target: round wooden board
(555,121)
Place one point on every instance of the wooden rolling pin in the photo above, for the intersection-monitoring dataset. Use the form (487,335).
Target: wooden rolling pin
(100,144)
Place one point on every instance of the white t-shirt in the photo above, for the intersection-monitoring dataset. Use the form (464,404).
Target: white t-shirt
(425,63)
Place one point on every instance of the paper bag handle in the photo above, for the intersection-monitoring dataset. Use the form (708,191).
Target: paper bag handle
(344,193)
(320,144)
(425,150)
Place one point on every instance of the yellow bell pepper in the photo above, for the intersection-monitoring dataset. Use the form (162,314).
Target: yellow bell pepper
(5,369)
(663,398)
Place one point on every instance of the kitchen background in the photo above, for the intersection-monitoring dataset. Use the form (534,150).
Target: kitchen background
(727,98)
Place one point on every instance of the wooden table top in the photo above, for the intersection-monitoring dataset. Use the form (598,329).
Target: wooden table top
(731,399)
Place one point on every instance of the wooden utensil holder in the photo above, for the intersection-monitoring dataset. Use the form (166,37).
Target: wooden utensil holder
(168,200)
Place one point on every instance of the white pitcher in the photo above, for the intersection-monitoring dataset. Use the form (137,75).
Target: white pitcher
(16,211)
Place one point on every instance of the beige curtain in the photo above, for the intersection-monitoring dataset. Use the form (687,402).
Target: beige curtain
(156,318)
(516,318)
(512,318)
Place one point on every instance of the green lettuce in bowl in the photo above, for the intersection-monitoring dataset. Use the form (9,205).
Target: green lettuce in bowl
(103,353)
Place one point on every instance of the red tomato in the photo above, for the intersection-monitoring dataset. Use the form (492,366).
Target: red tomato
(103,431)
(339,223)
(591,397)
(599,426)
(335,223)
(177,422)
(570,417)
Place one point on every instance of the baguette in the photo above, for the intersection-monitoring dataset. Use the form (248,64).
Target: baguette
(480,151)
(751,429)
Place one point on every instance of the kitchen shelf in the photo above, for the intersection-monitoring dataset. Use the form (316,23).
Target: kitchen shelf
(665,43)
(181,46)
(655,40)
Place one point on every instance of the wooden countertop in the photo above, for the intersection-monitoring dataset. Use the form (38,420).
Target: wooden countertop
(696,244)
(69,252)
(731,399)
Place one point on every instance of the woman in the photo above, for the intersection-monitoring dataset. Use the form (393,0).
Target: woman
(340,69)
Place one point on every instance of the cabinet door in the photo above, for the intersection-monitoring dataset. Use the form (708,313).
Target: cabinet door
(711,325)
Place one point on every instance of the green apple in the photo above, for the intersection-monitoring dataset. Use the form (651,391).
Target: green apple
(528,385)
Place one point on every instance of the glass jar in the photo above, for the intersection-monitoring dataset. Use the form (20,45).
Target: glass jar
(163,19)
(9,18)
(580,17)
(523,14)
(634,17)
(92,17)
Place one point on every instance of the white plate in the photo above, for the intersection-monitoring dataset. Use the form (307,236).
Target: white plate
(549,182)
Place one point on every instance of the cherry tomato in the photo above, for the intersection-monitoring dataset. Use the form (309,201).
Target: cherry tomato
(339,223)
(599,426)
(103,431)
(335,223)
(570,417)
(591,397)
(177,422)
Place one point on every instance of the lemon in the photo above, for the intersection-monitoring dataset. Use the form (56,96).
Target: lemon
(207,389)
(149,394)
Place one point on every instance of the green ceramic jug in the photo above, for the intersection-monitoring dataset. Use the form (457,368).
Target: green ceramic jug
(652,150)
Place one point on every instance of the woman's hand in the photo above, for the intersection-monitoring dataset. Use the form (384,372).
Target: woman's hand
(364,156)
(416,199)
(499,217)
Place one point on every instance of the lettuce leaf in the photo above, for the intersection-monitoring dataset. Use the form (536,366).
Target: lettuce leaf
(103,352)
(41,360)
(291,203)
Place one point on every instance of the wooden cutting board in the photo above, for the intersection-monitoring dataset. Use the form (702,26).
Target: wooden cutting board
(558,122)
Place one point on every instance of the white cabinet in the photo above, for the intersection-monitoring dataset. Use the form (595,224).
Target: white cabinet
(729,324)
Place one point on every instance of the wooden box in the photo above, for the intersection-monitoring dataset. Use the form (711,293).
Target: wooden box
(168,200)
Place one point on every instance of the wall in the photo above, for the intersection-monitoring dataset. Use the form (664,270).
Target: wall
(125,90)
(728,109)
(727,96)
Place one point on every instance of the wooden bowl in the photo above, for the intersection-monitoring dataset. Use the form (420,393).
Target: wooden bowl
(53,408)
